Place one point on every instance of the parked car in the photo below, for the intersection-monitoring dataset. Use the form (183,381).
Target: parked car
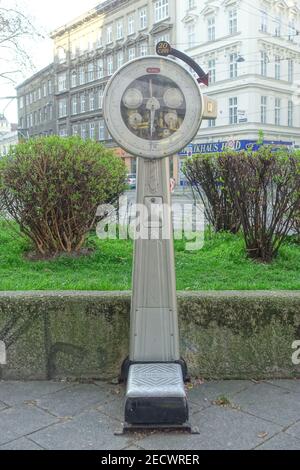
(131,180)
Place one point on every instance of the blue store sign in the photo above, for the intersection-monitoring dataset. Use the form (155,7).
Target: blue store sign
(212,147)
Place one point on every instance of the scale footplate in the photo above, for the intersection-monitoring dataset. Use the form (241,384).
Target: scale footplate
(156,395)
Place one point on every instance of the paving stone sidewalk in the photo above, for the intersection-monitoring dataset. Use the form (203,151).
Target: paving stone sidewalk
(229,415)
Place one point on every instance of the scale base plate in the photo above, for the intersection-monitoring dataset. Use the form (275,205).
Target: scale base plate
(156,396)
(132,428)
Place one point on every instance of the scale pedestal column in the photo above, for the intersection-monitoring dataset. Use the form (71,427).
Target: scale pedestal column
(155,387)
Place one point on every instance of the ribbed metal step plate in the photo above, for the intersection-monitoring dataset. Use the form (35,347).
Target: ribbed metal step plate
(155,380)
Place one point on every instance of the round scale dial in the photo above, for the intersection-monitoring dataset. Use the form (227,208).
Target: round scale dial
(173,98)
(152,107)
(133,98)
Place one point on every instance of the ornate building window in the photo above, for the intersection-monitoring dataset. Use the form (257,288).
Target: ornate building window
(233,65)
(263,109)
(120,28)
(143,18)
(233,26)
(109,34)
(131,24)
(263,63)
(290,113)
(212,70)
(264,21)
(277,67)
(161,10)
(91,72)
(101,130)
(233,110)
(211,28)
(277,111)
(290,70)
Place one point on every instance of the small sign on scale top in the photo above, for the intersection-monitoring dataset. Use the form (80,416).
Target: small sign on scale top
(163,48)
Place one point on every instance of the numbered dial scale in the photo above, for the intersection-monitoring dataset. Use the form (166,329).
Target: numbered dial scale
(153,107)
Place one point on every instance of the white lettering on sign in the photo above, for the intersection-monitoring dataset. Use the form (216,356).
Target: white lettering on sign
(153,70)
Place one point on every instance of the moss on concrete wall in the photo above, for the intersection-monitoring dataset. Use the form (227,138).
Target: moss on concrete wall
(85,334)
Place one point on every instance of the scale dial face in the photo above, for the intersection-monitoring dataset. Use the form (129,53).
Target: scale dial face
(173,98)
(132,98)
(152,107)
(159,111)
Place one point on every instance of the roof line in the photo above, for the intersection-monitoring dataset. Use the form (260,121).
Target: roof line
(36,74)
(102,7)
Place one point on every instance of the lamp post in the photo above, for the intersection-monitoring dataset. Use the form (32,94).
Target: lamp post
(153,108)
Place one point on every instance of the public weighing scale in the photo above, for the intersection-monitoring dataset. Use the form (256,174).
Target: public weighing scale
(153,108)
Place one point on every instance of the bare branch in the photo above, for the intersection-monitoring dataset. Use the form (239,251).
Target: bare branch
(15,29)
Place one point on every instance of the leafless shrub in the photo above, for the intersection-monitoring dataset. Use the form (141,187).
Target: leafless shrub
(205,175)
(265,189)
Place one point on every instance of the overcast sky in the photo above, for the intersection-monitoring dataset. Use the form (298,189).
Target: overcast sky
(47,15)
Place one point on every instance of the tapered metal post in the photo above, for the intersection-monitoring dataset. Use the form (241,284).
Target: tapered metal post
(154,319)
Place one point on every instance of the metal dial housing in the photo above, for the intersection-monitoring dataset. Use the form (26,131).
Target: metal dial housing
(153,107)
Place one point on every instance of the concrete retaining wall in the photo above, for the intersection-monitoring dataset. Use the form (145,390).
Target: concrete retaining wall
(85,334)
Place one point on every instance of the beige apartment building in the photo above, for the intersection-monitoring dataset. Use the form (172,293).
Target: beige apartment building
(88,50)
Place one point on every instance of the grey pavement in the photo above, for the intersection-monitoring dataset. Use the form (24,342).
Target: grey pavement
(229,415)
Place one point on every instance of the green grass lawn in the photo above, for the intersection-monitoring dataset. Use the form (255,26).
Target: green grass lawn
(220,265)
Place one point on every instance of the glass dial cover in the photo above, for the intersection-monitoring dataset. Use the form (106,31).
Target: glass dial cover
(152,107)
(157,117)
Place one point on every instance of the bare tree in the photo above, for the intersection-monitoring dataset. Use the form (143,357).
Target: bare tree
(16,28)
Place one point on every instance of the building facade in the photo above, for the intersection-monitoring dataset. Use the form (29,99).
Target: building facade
(36,105)
(7,141)
(5,126)
(251,50)
(8,135)
(91,48)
